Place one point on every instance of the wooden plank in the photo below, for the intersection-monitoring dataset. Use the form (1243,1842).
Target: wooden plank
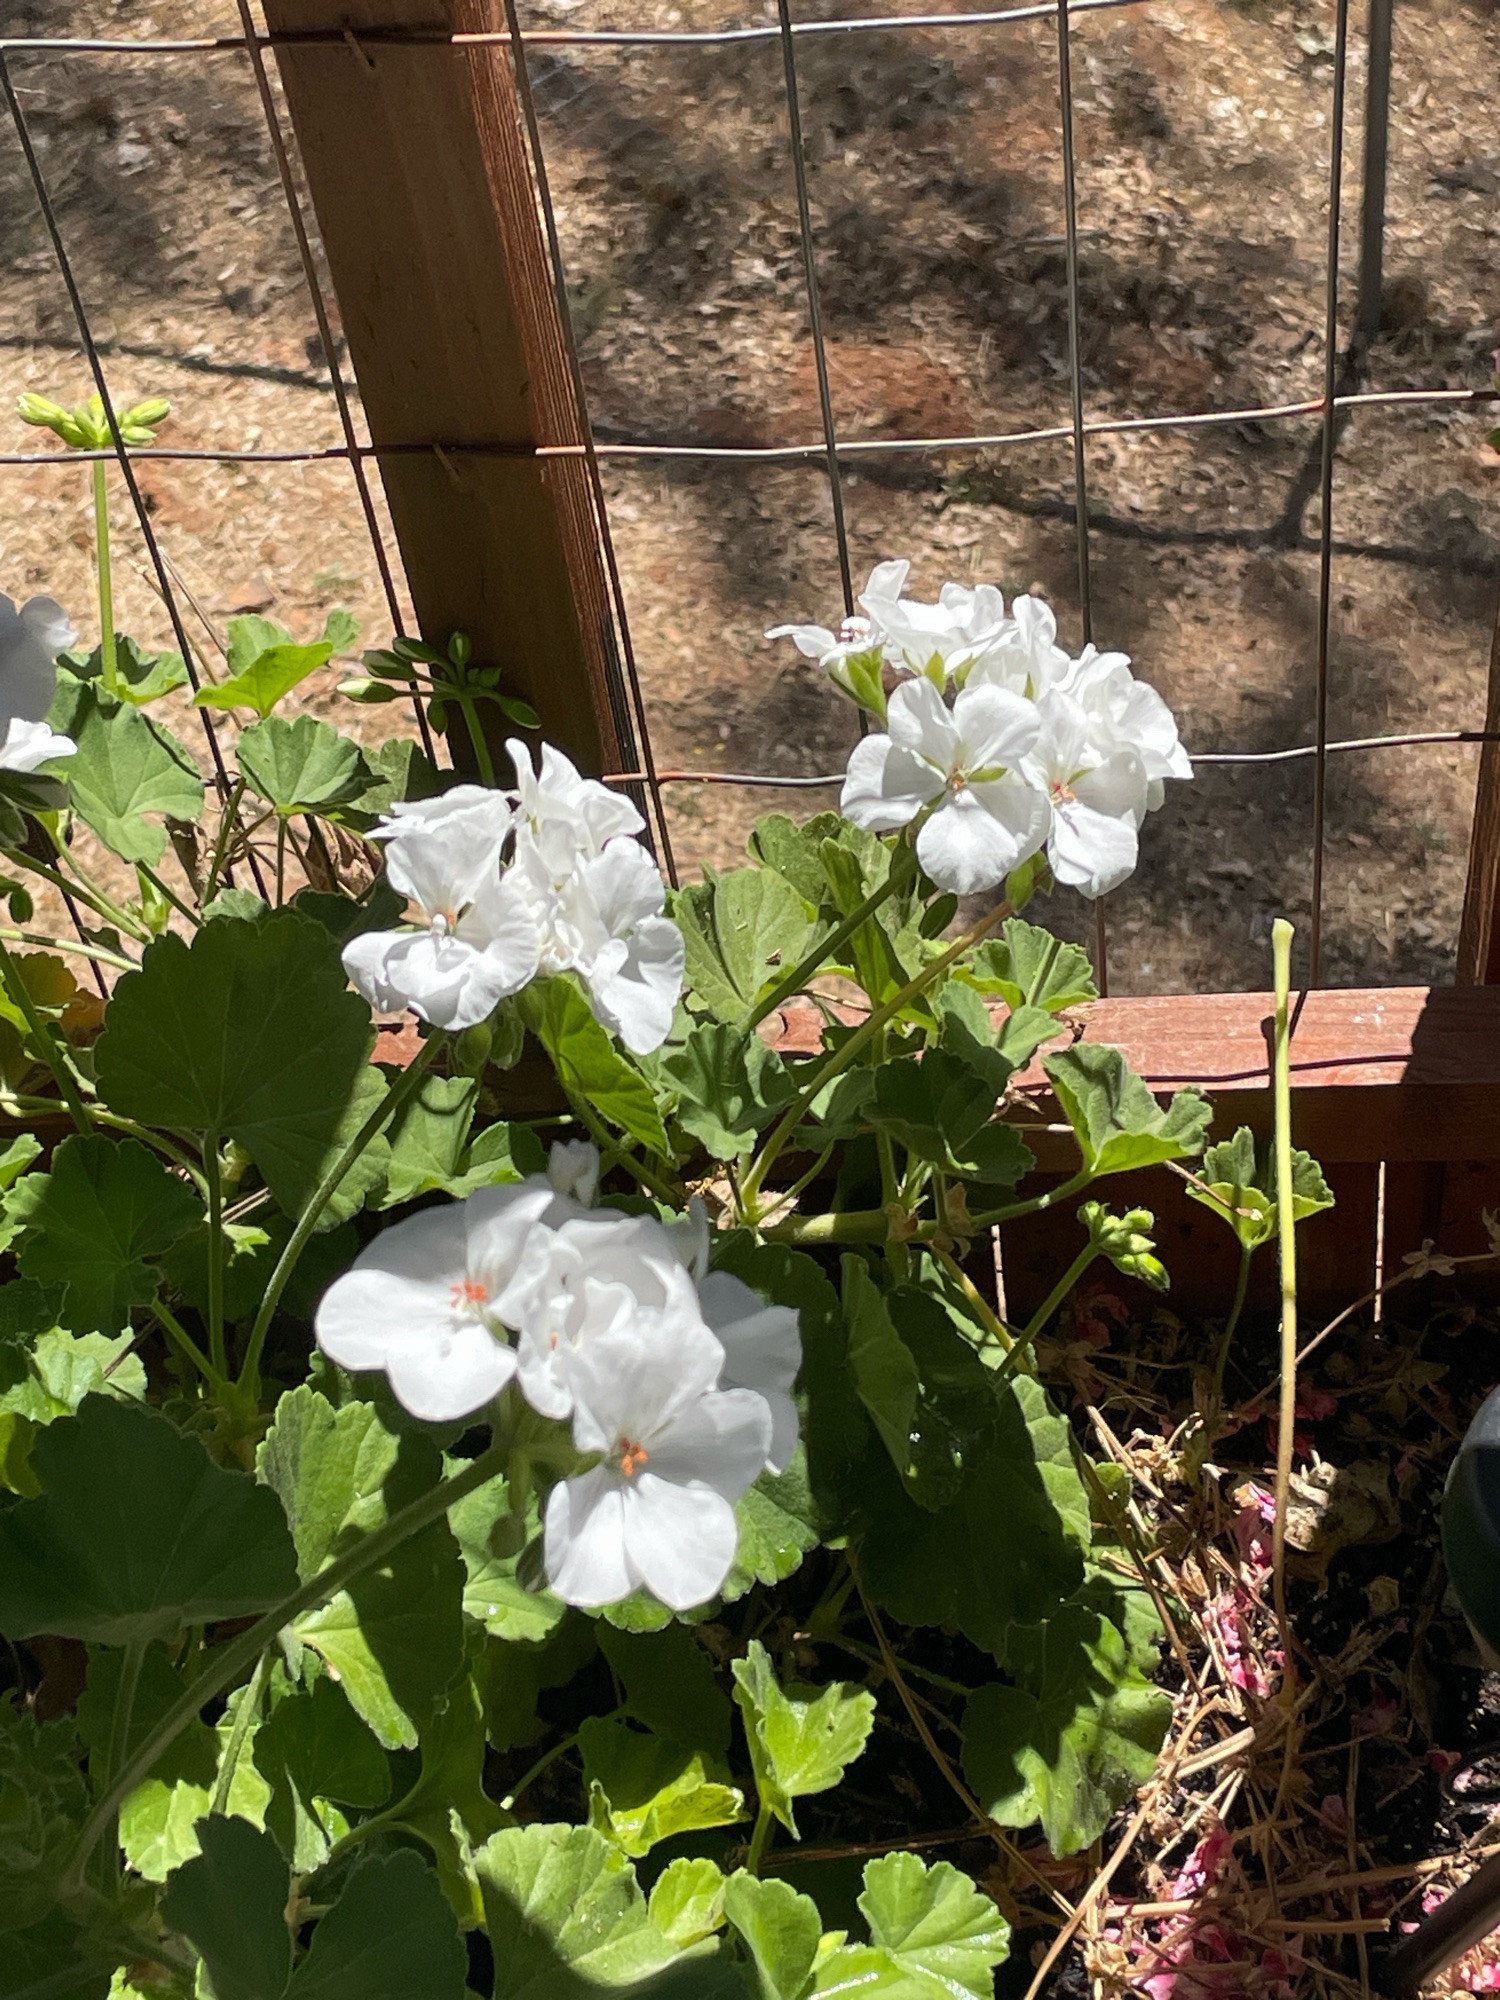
(416,162)
(1479,933)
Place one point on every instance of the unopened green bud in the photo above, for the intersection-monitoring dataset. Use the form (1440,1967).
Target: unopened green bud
(460,647)
(21,906)
(1124,1240)
(370,692)
(389,666)
(858,675)
(142,416)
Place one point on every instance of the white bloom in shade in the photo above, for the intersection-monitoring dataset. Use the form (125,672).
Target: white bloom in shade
(481,942)
(1026,658)
(762,1351)
(419,1301)
(31,637)
(943,640)
(1128,714)
(557,792)
(26,745)
(855,635)
(961,762)
(1097,797)
(573,1169)
(676,1453)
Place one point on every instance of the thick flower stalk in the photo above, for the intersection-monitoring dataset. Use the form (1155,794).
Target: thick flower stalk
(676,1381)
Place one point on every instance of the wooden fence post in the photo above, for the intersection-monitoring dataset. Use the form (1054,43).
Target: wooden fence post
(1479,935)
(417,165)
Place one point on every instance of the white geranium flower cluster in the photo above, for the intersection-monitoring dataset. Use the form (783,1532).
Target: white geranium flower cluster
(31,637)
(679,1378)
(545,879)
(997,742)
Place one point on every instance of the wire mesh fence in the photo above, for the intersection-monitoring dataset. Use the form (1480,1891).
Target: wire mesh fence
(1053,295)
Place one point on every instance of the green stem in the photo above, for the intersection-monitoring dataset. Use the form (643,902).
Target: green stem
(213,1174)
(244,1721)
(109,660)
(56,1061)
(834,1064)
(528,1778)
(901,871)
(83,891)
(760,1839)
(227,820)
(119,1727)
(232,1659)
(869,1225)
(181,1339)
(403,1088)
(1021,1351)
(1002,1335)
(280,859)
(1286,1232)
(73,945)
(612,1152)
(1221,1359)
(469,709)
(169,895)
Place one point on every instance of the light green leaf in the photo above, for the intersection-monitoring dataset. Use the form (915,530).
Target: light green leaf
(310,1749)
(341,630)
(1117,1122)
(498,1154)
(776,1523)
(781,1928)
(137,1533)
(42,1804)
(1029,967)
(940,1108)
(687,1901)
(17,1157)
(264,665)
(428,1138)
(251,1033)
(589,1064)
(796,851)
(742,930)
(1071,1742)
(801,1741)
(106,1206)
(52,1379)
(126,766)
(302,766)
(942,1935)
(1240,1187)
(394,1638)
(493,1595)
(563,1900)
(731,1086)
(644,1788)
(143,677)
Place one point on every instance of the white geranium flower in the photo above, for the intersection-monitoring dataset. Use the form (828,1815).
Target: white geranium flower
(762,1351)
(31,637)
(573,1169)
(855,634)
(481,942)
(676,1453)
(1026,658)
(419,1301)
(1128,714)
(26,745)
(1097,797)
(557,792)
(985,820)
(945,640)
(600,915)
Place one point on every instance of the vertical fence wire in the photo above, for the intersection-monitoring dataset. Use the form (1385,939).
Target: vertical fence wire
(815,301)
(321,314)
(1325,481)
(527,101)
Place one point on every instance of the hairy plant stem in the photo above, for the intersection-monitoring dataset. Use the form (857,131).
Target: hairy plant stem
(228,819)
(62,1073)
(230,1661)
(75,946)
(1286,1232)
(869,1225)
(244,1722)
(109,661)
(469,709)
(280,860)
(1221,1357)
(901,872)
(548,1758)
(213,1174)
(400,1091)
(1002,1335)
(81,889)
(760,1839)
(840,1059)
(170,895)
(181,1339)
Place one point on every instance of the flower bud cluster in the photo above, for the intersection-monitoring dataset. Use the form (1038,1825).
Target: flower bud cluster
(997,743)
(545,879)
(676,1380)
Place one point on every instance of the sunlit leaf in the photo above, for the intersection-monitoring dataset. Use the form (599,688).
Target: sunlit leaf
(802,1739)
(1117,1122)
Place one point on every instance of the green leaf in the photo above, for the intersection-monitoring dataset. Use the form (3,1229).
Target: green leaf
(264,666)
(230,1900)
(801,1741)
(17,1157)
(563,1900)
(884,1371)
(782,1929)
(589,1064)
(428,1138)
(143,676)
(950,1566)
(933,1936)
(1240,1187)
(1071,1742)
(311,1748)
(511,1675)
(250,1032)
(394,1638)
(52,1379)
(126,766)
(1029,967)
(106,1206)
(302,766)
(42,1804)
(380,908)
(670,1686)
(137,1533)
(940,1108)
(732,1085)
(493,1595)
(645,1788)
(742,930)
(796,851)
(341,630)
(1117,1122)
(50,1961)
(930,1396)
(500,1153)
(687,1901)
(390,1936)
(776,1529)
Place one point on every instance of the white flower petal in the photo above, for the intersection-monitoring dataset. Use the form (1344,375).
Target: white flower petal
(722,1438)
(978,835)
(557,791)
(884,787)
(31,638)
(463,1374)
(635,990)
(584,1541)
(1091,851)
(762,1351)
(573,1169)
(439,852)
(811,641)
(445,980)
(679,1540)
(29,744)
(920,722)
(997,726)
